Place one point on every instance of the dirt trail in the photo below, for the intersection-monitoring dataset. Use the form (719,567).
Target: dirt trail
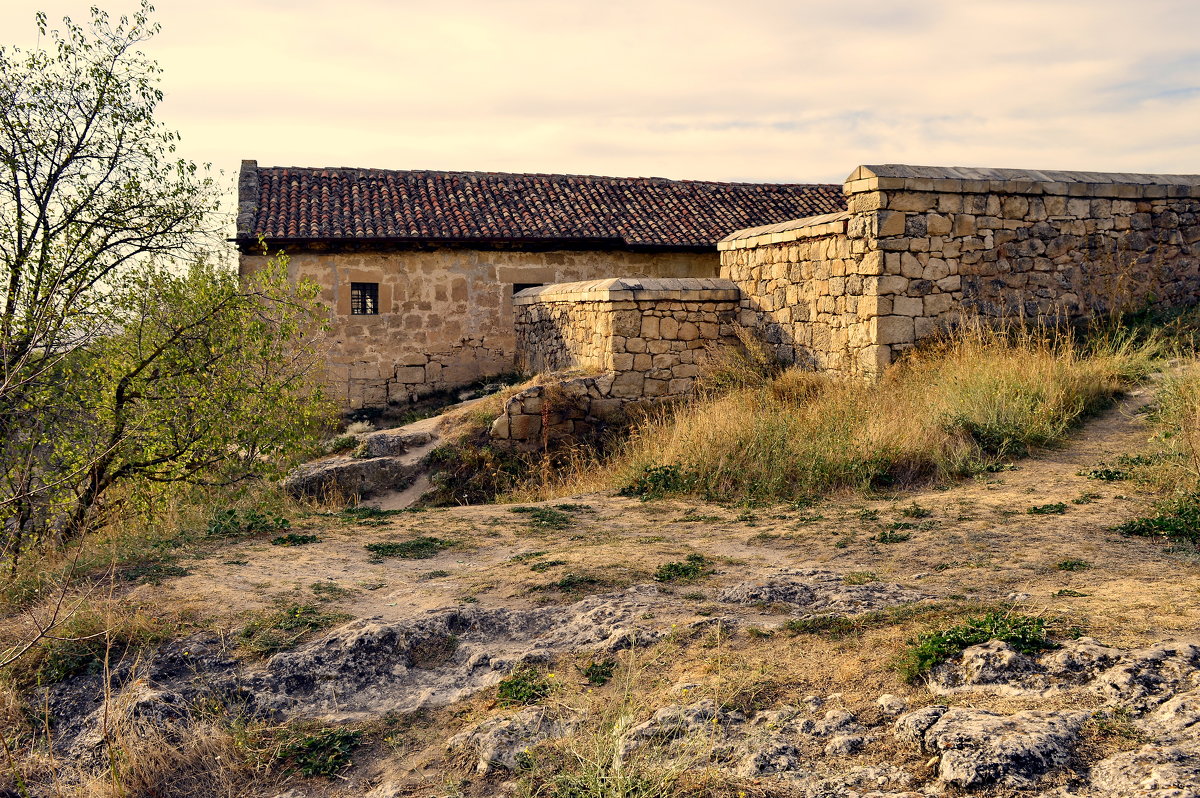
(974,539)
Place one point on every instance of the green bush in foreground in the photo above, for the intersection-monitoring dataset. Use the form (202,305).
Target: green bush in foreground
(1024,633)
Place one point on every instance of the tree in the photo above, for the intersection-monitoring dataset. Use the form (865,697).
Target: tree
(128,349)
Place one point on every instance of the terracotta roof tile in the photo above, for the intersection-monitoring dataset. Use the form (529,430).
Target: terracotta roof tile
(287,203)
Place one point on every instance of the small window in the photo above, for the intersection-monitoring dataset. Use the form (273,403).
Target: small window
(519,287)
(364,299)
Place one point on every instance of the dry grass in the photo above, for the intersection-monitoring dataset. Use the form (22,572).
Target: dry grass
(955,408)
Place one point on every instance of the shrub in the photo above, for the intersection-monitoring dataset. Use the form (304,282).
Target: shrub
(655,482)
(1073,565)
(1024,633)
(229,523)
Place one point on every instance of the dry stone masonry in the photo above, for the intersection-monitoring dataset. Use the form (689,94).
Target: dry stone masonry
(922,247)
(637,339)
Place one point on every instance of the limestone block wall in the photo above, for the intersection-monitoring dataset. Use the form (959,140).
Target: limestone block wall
(806,292)
(924,246)
(446,314)
(643,339)
(650,333)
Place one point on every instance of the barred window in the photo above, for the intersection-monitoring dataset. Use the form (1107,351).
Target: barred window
(364,299)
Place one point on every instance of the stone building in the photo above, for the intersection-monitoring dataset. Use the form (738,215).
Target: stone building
(419,268)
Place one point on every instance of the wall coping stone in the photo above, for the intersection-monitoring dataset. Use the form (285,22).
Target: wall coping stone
(784,232)
(983,180)
(619,289)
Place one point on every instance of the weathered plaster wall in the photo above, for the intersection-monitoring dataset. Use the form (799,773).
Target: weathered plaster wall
(446,316)
(922,246)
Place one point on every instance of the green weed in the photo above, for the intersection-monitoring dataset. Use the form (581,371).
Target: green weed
(294,539)
(526,685)
(693,567)
(321,752)
(419,548)
(1024,633)
(1055,508)
(284,627)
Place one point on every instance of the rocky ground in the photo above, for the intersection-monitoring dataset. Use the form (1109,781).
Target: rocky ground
(768,672)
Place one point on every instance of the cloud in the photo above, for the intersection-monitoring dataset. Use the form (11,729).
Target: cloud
(759,89)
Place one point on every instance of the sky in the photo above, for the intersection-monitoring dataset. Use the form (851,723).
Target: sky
(753,90)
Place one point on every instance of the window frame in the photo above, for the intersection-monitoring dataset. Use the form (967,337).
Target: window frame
(364,299)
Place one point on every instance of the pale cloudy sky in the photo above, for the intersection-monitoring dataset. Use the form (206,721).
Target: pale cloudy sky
(705,89)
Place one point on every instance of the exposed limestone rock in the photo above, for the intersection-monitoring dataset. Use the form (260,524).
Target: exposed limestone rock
(811,591)
(368,667)
(1151,771)
(980,748)
(1137,679)
(497,743)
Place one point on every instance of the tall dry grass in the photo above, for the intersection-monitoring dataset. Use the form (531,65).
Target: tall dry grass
(956,407)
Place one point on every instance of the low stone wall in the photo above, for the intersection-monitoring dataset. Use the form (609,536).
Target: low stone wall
(920,247)
(649,333)
(643,340)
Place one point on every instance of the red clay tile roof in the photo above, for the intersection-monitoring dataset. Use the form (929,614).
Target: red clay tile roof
(284,204)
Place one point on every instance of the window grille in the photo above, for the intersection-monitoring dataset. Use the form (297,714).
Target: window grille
(364,299)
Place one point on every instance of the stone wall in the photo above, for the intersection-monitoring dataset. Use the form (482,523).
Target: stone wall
(643,339)
(923,246)
(446,315)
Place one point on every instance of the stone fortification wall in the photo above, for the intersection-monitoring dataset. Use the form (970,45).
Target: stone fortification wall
(806,292)
(446,315)
(923,246)
(643,339)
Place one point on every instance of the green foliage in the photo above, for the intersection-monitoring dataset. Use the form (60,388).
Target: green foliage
(229,523)
(153,573)
(893,536)
(544,517)
(546,565)
(294,539)
(473,472)
(283,627)
(599,672)
(859,578)
(1024,633)
(693,567)
(915,510)
(655,482)
(1177,519)
(1073,565)
(1055,508)
(342,443)
(526,685)
(419,548)
(320,752)
(828,625)
(571,582)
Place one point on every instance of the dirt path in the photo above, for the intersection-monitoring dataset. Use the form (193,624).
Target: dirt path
(975,539)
